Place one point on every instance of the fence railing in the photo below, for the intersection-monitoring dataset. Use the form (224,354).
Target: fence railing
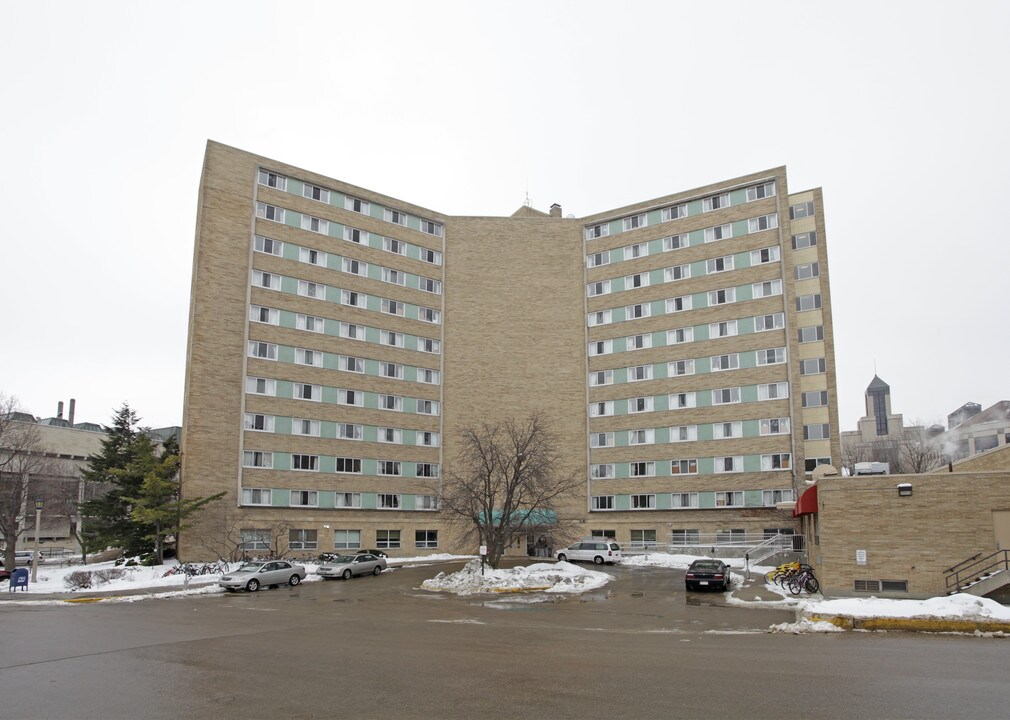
(758,546)
(976,568)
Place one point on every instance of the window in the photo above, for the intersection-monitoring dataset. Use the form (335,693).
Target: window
(804,240)
(353,299)
(811,463)
(679,304)
(304,391)
(346,539)
(394,246)
(679,401)
(392,307)
(427,407)
(774,426)
(677,368)
(765,255)
(601,377)
(685,537)
(430,377)
(727,430)
(350,397)
(598,288)
(304,498)
(391,402)
(680,335)
(726,396)
(684,500)
(597,231)
(347,500)
(272,179)
(429,286)
(310,289)
(431,227)
(818,431)
(262,350)
(354,235)
(257,459)
(641,469)
(601,317)
(351,364)
(760,191)
(729,464)
(391,338)
(776,461)
(601,347)
(426,502)
(644,502)
(815,398)
(715,202)
(676,242)
(641,437)
(801,211)
(773,391)
(254,539)
(601,472)
(260,386)
(765,222)
(426,539)
(268,246)
(599,440)
(638,342)
(387,501)
(355,267)
(684,467)
(638,280)
(603,502)
(269,212)
(643,538)
(808,302)
(683,433)
(390,435)
(719,232)
(394,216)
(633,222)
(675,212)
(266,315)
(270,281)
(772,356)
(426,470)
(349,431)
(775,321)
(722,297)
(726,328)
(636,251)
(768,288)
(601,409)
(731,498)
(389,467)
(256,496)
(314,192)
(678,272)
(811,334)
(310,323)
(634,312)
(428,345)
(429,315)
(355,205)
(725,362)
(387,539)
(301,426)
(598,259)
(308,357)
(316,225)
(639,373)
(263,423)
(813,366)
(640,404)
(718,265)
(432,257)
(805,272)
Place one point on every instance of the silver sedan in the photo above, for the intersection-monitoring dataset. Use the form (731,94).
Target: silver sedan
(347,565)
(254,575)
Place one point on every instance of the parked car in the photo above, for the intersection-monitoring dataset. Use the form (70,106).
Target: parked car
(254,575)
(708,574)
(24,557)
(5,574)
(595,550)
(346,566)
(369,551)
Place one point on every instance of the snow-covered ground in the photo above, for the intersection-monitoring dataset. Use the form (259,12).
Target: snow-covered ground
(954,607)
(560,577)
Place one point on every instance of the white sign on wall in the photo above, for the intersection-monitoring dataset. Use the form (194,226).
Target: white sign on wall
(860,557)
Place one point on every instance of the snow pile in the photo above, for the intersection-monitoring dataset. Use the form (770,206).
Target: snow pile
(805,626)
(437,557)
(561,577)
(681,562)
(954,607)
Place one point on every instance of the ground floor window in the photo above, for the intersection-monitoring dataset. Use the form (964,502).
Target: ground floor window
(604,533)
(426,538)
(387,539)
(302,540)
(685,537)
(254,539)
(643,538)
(733,535)
(346,539)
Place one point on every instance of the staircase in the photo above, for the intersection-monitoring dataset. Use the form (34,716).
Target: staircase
(979,575)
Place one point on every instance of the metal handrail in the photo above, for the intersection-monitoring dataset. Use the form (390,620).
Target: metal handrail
(963,562)
(977,569)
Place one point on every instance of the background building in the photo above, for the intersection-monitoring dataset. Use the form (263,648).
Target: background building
(681,348)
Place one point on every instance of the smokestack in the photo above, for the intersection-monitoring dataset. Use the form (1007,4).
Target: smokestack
(555,210)
(59,410)
(73,406)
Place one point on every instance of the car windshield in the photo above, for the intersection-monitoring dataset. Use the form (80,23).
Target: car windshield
(706,566)
(250,567)
(343,560)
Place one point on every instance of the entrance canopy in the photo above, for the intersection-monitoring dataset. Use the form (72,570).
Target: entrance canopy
(807,504)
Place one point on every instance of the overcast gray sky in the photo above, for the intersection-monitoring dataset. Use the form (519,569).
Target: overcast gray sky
(899,110)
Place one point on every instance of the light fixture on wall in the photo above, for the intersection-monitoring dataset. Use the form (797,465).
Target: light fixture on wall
(904,489)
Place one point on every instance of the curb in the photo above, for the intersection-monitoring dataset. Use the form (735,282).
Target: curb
(932,625)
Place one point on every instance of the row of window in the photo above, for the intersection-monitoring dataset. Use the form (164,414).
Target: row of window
(680,368)
(339,431)
(692,466)
(338,500)
(326,196)
(339,465)
(690,433)
(691,501)
(261,539)
(339,396)
(682,272)
(350,266)
(692,399)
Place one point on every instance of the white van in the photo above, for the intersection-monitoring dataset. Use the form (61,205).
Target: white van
(597,550)
(24,557)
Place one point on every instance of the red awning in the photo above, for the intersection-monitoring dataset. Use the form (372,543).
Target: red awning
(807,504)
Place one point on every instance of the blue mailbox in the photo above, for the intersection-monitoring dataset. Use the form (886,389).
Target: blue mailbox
(19,579)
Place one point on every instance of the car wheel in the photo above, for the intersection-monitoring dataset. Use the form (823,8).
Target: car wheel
(294,580)
(377,570)
(562,557)
(252,585)
(598,559)
(347,575)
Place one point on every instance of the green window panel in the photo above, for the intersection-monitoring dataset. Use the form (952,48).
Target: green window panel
(410,311)
(407,502)
(753,498)
(331,361)
(620,344)
(656,277)
(620,439)
(280,498)
(703,398)
(327,464)
(289,285)
(745,326)
(703,365)
(295,187)
(617,285)
(290,251)
(741,260)
(706,465)
(337,198)
(751,428)
(621,471)
(328,429)
(371,401)
(334,262)
(369,466)
(659,370)
(622,502)
(413,252)
(705,432)
(370,433)
(658,307)
(331,294)
(752,463)
(748,359)
(655,246)
(371,366)
(618,315)
(376,210)
(696,237)
(368,501)
(293,219)
(282,425)
(374,272)
(740,228)
(699,268)
(326,499)
(749,393)
(706,499)
(621,407)
(282,461)
(664,501)
(663,436)
(655,217)
(410,373)
(374,303)
(329,395)
(659,338)
(285,388)
(285,354)
(616,226)
(620,375)
(661,403)
(409,437)
(738,197)
(744,292)
(371,334)
(694,207)
(286,319)
(335,230)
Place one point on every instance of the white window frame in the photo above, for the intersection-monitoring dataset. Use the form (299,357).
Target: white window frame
(689,400)
(351,398)
(268,246)
(269,386)
(634,222)
(266,280)
(691,431)
(778,322)
(732,393)
(679,368)
(599,378)
(600,317)
(257,496)
(268,178)
(602,408)
(715,330)
(762,223)
(686,335)
(266,422)
(771,356)
(773,391)
(257,459)
(719,232)
(774,426)
(768,288)
(735,465)
(641,404)
(686,303)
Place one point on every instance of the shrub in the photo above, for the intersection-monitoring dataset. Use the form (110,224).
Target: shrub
(78,580)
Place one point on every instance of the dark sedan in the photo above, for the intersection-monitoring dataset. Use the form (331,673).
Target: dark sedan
(708,575)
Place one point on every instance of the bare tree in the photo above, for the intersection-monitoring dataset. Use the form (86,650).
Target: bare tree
(507,479)
(220,532)
(852,453)
(917,453)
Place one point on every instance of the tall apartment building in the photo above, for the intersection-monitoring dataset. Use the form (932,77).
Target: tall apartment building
(680,347)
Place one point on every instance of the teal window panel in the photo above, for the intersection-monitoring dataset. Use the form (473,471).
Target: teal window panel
(410,373)
(700,300)
(620,375)
(741,260)
(327,429)
(371,334)
(662,435)
(753,498)
(706,500)
(748,359)
(620,439)
(752,463)
(751,428)
(656,246)
(289,285)
(703,398)
(658,307)
(745,326)
(371,366)
(661,403)
(282,461)
(329,395)
(368,501)
(374,272)
(703,365)
(409,437)
(407,502)
(374,303)
(326,499)
(285,354)
(295,187)
(656,277)
(738,197)
(285,388)
(280,498)
(337,199)
(706,465)
(410,311)
(659,370)
(621,471)
(413,252)
(293,219)
(331,294)
(740,228)
(618,315)
(621,407)
(376,210)
(290,251)
(620,344)
(659,338)
(369,466)
(664,501)
(334,262)
(282,425)
(410,341)
(698,269)
(371,401)
(616,226)
(370,433)
(705,432)
(617,285)
(622,502)
(335,230)
(331,361)
(694,208)
(327,464)
(749,393)
(697,237)
(663,468)
(286,319)
(655,217)
(744,292)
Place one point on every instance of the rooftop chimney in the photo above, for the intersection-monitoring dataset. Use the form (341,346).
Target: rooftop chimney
(59,410)
(73,406)
(555,210)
